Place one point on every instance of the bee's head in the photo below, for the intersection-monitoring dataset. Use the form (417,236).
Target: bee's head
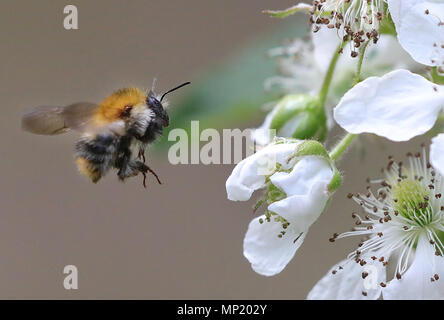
(156,106)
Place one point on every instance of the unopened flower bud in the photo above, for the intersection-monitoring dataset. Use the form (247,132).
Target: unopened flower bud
(297,116)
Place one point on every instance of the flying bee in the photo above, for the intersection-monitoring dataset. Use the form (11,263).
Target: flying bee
(114,134)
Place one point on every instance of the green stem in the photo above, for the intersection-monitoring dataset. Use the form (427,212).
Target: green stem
(342,145)
(361,60)
(345,142)
(328,77)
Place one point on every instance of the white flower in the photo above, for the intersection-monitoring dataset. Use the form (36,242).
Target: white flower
(304,65)
(402,254)
(420,28)
(399,106)
(298,178)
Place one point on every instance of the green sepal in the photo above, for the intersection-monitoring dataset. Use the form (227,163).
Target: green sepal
(310,148)
(335,182)
(274,194)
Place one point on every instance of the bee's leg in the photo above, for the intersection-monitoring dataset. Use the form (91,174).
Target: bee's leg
(126,169)
(123,160)
(131,167)
(144,180)
(138,166)
(154,174)
(142,154)
(145,169)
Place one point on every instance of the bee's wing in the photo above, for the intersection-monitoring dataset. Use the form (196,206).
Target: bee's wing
(46,120)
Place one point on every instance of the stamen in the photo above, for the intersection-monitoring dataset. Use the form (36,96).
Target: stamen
(358,20)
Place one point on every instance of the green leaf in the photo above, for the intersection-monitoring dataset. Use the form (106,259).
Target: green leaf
(301,7)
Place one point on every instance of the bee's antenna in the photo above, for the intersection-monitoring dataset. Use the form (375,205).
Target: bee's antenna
(174,89)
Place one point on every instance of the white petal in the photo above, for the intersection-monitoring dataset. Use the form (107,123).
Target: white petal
(415,283)
(386,55)
(262,135)
(399,106)
(307,171)
(302,210)
(249,174)
(326,42)
(306,187)
(267,253)
(348,284)
(398,8)
(437,153)
(422,35)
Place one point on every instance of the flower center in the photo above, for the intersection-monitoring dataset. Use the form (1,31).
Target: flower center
(273,194)
(411,199)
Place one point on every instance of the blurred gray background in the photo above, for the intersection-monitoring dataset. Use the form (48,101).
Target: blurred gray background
(182,239)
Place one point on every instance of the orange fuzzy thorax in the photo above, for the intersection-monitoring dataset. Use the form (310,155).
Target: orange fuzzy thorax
(112,106)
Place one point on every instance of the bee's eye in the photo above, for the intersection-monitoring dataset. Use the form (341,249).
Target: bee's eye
(126,111)
(153,102)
